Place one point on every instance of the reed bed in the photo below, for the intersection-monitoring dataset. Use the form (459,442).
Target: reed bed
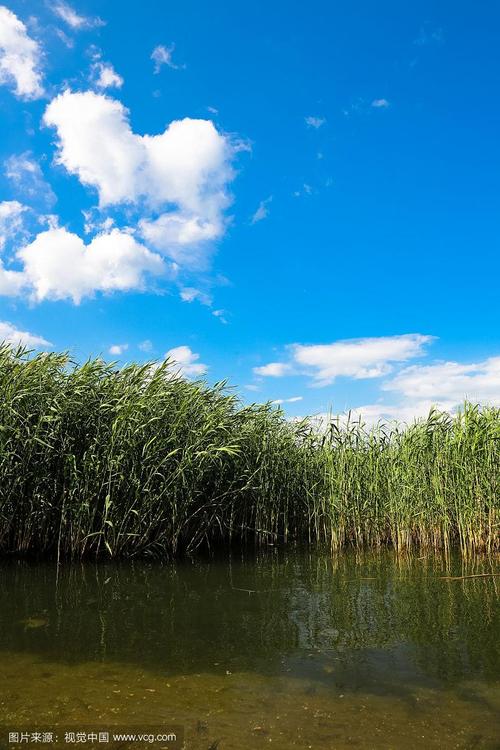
(97,460)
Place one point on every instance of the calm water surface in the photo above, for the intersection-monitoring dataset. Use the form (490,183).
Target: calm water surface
(281,650)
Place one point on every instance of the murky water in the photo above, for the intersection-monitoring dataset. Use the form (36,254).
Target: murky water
(282,650)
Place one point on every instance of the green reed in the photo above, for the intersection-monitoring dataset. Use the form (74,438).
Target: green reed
(99,460)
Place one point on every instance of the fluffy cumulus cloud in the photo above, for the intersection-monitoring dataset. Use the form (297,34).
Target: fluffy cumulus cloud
(74,20)
(20,57)
(117,349)
(273,370)
(185,362)
(171,188)
(9,334)
(59,265)
(178,179)
(354,358)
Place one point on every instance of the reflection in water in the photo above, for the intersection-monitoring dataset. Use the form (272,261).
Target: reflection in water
(298,648)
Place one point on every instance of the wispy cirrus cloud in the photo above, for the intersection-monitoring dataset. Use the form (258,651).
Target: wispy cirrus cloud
(315,122)
(262,211)
(162,55)
(191,294)
(73,19)
(429,35)
(11,220)
(27,180)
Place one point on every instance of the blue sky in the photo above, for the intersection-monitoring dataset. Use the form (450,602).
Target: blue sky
(302,199)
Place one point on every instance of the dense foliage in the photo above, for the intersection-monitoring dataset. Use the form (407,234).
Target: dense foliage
(97,460)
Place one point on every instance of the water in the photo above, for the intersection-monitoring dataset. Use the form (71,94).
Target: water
(283,649)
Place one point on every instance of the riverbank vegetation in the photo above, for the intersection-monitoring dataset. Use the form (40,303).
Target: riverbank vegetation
(97,460)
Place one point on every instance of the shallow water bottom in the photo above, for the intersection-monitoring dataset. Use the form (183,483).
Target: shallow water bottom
(286,650)
(245,710)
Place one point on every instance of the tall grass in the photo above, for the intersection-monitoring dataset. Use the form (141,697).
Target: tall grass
(96,460)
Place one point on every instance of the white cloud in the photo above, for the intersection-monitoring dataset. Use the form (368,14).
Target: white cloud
(443,385)
(9,334)
(291,400)
(185,239)
(181,174)
(105,76)
(95,222)
(27,179)
(190,294)
(65,39)
(58,264)
(354,358)
(11,282)
(146,345)
(20,57)
(186,361)
(11,220)
(450,382)
(262,211)
(428,35)
(357,358)
(380,103)
(97,144)
(76,21)
(162,55)
(117,349)
(372,414)
(306,190)
(315,122)
(220,315)
(273,370)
